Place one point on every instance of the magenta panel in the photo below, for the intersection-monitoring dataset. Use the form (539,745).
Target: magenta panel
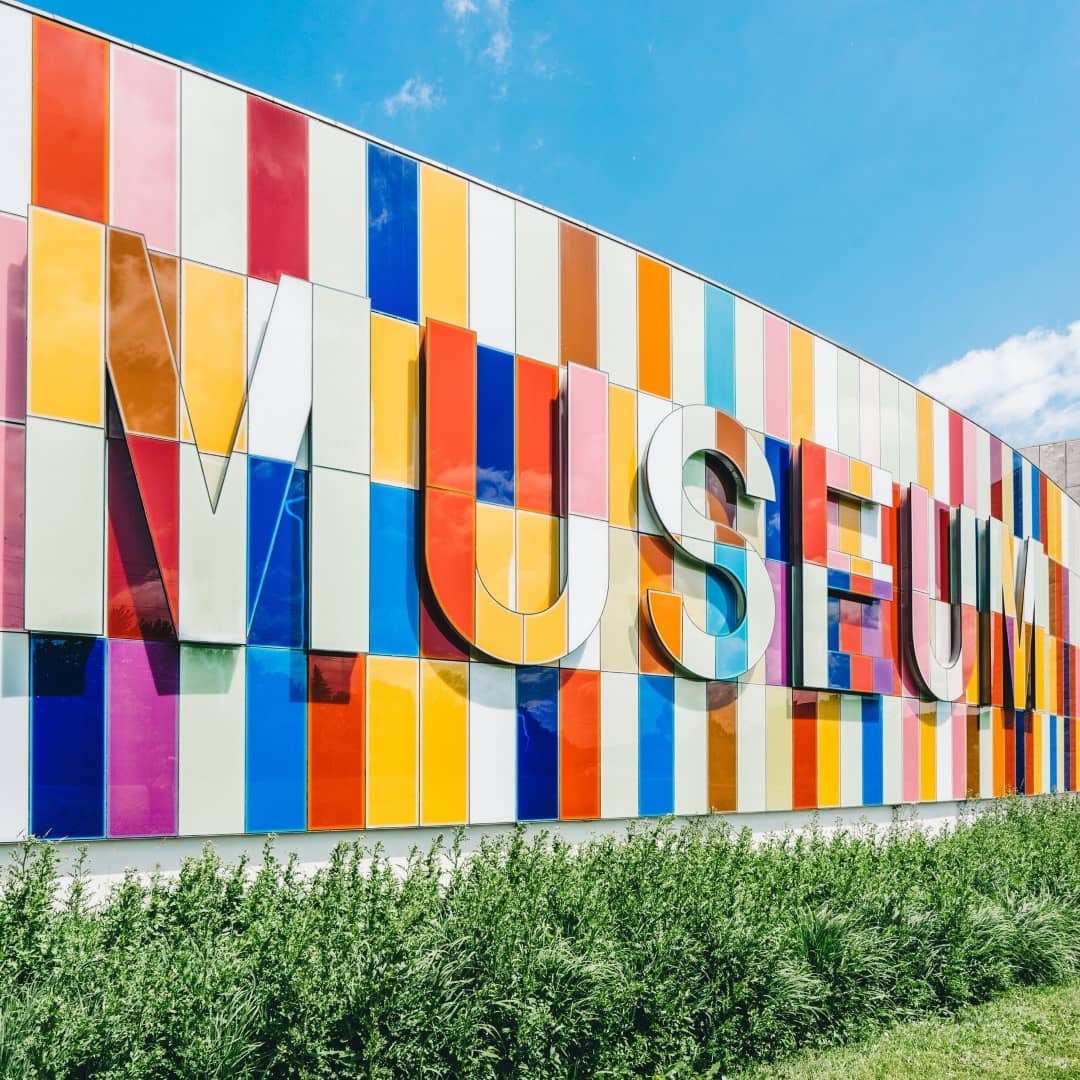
(12,524)
(12,318)
(144,678)
(144,125)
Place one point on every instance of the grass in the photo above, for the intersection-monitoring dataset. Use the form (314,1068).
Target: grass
(1027,1034)
(673,952)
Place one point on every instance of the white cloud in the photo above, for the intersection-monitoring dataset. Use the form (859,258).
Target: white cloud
(496,17)
(460,9)
(339,79)
(1026,390)
(499,47)
(415,93)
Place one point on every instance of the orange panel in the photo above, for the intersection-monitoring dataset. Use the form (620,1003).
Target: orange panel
(655,573)
(71,106)
(336,742)
(722,701)
(654,327)
(577,295)
(450,371)
(665,610)
(579,744)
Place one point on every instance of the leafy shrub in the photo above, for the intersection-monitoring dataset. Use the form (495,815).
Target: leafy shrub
(674,950)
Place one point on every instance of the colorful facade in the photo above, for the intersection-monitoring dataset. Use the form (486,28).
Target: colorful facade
(340,491)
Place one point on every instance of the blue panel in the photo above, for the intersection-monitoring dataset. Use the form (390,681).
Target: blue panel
(834,623)
(395,587)
(1018,495)
(721,596)
(720,349)
(277,553)
(840,670)
(276,740)
(1052,721)
(1019,726)
(393,260)
(873,748)
(778,512)
(494,426)
(67,770)
(537,743)
(838,580)
(656,745)
(1036,502)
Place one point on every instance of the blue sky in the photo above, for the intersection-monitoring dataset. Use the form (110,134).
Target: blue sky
(903,177)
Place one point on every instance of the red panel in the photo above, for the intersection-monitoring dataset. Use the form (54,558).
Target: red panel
(438,641)
(850,626)
(335,741)
(814,517)
(71,102)
(803,749)
(450,374)
(862,674)
(538,478)
(579,744)
(138,606)
(157,470)
(277,191)
(1009,724)
(450,543)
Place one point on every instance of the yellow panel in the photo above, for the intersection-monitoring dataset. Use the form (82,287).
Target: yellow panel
(444,743)
(622,457)
(443,247)
(925,421)
(802,385)
(499,631)
(1053,521)
(395,375)
(862,567)
(495,551)
(1007,489)
(927,751)
(545,634)
(828,711)
(850,518)
(67,318)
(1040,668)
(778,775)
(537,561)
(619,623)
(213,365)
(391,746)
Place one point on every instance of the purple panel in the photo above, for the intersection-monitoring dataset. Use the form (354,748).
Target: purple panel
(143,686)
(883,675)
(12,318)
(12,524)
(872,643)
(776,655)
(882,590)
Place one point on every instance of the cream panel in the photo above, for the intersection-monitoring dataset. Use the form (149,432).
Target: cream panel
(869,413)
(847,403)
(909,434)
(651,410)
(691,748)
(340,516)
(687,338)
(619,623)
(491,268)
(825,394)
(537,284)
(941,451)
(889,397)
(16,66)
(337,208)
(492,743)
(14,729)
(750,746)
(850,750)
(618,745)
(892,751)
(617,314)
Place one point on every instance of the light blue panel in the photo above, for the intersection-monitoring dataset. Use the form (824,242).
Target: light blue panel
(276,742)
(720,349)
(395,586)
(393,234)
(656,745)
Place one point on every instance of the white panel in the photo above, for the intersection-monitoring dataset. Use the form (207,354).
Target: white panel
(16,65)
(943,749)
(213,553)
(213,173)
(750,745)
(537,284)
(279,401)
(892,751)
(850,750)
(687,338)
(869,414)
(889,396)
(586,656)
(492,743)
(847,403)
(813,640)
(617,315)
(211,750)
(65,527)
(691,748)
(15,728)
(749,365)
(260,302)
(825,394)
(618,745)
(650,411)
(941,452)
(339,560)
(337,208)
(341,381)
(491,268)
(909,435)
(588,576)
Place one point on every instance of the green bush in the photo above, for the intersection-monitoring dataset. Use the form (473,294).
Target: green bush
(675,951)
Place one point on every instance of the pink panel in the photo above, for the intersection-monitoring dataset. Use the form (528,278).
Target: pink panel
(777,381)
(12,318)
(911,750)
(959,750)
(588,441)
(971,471)
(838,470)
(145,148)
(12,531)
(144,681)
(919,511)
